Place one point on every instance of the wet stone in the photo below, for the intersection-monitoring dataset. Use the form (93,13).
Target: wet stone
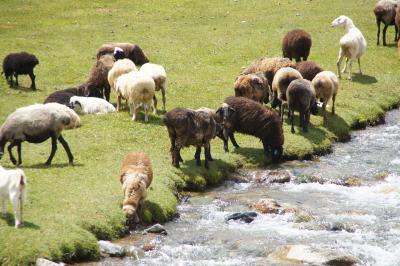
(111,249)
(268,206)
(134,252)
(156,229)
(273,176)
(352,181)
(246,217)
(45,262)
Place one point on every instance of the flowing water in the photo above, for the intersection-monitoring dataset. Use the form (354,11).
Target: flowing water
(361,221)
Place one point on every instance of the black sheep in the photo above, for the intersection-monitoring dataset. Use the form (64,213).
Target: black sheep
(249,117)
(63,96)
(22,63)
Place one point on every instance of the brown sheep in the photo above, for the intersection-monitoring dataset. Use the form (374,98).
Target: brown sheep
(296,44)
(252,86)
(385,12)
(326,86)
(131,51)
(268,66)
(190,128)
(249,117)
(136,175)
(308,69)
(97,83)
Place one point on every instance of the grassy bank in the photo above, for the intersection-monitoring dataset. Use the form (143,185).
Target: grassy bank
(203,46)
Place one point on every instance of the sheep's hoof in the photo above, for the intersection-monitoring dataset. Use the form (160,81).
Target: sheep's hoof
(292,131)
(349,78)
(13,161)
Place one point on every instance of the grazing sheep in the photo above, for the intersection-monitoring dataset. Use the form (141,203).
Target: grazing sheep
(35,124)
(158,74)
(326,86)
(281,81)
(138,88)
(19,64)
(187,127)
(249,117)
(135,176)
(131,51)
(300,97)
(385,12)
(352,45)
(64,96)
(90,105)
(308,69)
(120,67)
(97,83)
(296,44)
(268,66)
(13,186)
(252,86)
(118,53)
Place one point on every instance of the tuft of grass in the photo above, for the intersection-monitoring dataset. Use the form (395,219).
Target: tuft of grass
(203,46)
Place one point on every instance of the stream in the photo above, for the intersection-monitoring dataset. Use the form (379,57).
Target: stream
(343,205)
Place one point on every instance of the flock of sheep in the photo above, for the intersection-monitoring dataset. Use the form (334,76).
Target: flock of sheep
(278,81)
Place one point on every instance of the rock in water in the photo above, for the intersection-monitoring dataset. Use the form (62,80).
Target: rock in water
(156,229)
(273,176)
(44,262)
(246,217)
(268,206)
(134,252)
(111,249)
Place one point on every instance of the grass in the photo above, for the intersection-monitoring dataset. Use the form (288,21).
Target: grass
(203,46)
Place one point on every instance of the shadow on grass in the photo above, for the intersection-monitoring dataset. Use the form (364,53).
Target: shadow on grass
(22,88)
(364,79)
(55,165)
(153,119)
(9,218)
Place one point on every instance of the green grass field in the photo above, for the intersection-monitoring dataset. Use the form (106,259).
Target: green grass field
(203,45)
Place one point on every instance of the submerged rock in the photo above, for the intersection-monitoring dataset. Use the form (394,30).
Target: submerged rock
(45,262)
(273,176)
(352,181)
(134,252)
(268,206)
(111,249)
(246,217)
(156,229)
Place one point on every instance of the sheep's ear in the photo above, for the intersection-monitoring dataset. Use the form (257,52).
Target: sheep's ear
(256,81)
(219,111)
(231,109)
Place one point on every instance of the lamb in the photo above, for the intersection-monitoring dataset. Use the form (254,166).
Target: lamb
(138,88)
(326,86)
(131,51)
(97,84)
(281,81)
(385,12)
(136,175)
(296,44)
(158,74)
(120,67)
(301,97)
(90,105)
(13,186)
(190,128)
(249,117)
(268,66)
(252,86)
(64,96)
(35,124)
(22,63)
(308,69)
(352,45)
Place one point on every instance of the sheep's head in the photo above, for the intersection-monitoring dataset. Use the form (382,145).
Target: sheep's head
(134,188)
(341,21)
(251,86)
(227,116)
(314,106)
(118,53)
(76,106)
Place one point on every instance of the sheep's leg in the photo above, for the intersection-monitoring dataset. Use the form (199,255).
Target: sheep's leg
(282,110)
(17,208)
(197,155)
(333,103)
(53,149)
(146,112)
(175,157)
(378,23)
(396,33)
(32,76)
(153,107)
(107,92)
(16,80)
(297,59)
(324,110)
(339,62)
(384,34)
(345,65)
(306,121)
(66,148)
(118,101)
(155,103)
(12,158)
(292,119)
(207,154)
(19,153)
(135,112)
(163,97)
(359,66)
(233,140)
(350,67)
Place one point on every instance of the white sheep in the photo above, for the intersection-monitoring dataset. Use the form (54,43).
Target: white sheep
(158,74)
(326,86)
(35,124)
(352,45)
(13,186)
(90,105)
(138,88)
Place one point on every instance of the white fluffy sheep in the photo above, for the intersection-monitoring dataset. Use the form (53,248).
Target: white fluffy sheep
(90,105)
(13,186)
(120,67)
(138,88)
(326,86)
(158,74)
(35,124)
(352,45)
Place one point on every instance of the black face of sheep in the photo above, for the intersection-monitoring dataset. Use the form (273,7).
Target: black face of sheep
(226,114)
(19,64)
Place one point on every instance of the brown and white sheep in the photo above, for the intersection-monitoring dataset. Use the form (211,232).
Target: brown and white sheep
(249,117)
(308,69)
(136,175)
(385,12)
(268,66)
(190,128)
(326,85)
(296,44)
(252,86)
(301,97)
(159,75)
(131,51)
